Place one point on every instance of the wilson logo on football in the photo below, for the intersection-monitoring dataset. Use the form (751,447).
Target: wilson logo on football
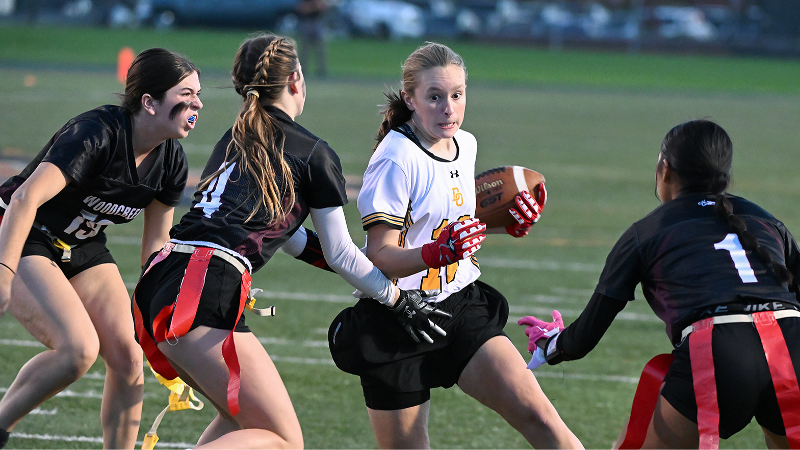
(485,186)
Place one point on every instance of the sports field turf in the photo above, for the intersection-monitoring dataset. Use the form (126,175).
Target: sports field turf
(592,123)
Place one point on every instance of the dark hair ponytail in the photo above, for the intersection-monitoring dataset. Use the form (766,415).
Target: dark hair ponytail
(724,209)
(700,153)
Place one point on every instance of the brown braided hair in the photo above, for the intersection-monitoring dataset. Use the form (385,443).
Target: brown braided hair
(395,112)
(700,153)
(260,73)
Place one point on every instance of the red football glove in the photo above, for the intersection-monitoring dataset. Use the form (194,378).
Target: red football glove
(527,211)
(457,241)
(539,329)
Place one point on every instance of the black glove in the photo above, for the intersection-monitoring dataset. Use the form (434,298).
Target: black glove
(412,312)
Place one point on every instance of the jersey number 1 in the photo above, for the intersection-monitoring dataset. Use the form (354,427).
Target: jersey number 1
(740,262)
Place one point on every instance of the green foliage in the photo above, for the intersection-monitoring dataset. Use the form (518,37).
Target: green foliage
(591,123)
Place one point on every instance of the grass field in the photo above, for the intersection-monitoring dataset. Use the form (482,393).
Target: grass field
(592,123)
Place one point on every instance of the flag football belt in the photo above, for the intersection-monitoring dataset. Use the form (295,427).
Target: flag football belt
(779,362)
(66,249)
(184,309)
(740,318)
(181,397)
(702,362)
(645,400)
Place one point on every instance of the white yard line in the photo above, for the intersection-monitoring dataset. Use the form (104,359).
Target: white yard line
(94,440)
(315,362)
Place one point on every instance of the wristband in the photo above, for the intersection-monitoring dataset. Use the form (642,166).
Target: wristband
(553,355)
(537,359)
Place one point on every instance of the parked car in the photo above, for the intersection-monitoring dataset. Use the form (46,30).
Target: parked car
(383,18)
(676,22)
(259,14)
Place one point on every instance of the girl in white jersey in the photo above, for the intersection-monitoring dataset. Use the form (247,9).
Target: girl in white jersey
(420,180)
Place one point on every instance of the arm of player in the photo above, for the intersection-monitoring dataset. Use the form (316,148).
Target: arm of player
(457,241)
(155,232)
(393,260)
(305,246)
(345,258)
(350,263)
(43,184)
(576,340)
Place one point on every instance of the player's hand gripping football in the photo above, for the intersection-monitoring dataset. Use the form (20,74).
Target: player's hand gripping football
(537,330)
(457,241)
(412,312)
(527,211)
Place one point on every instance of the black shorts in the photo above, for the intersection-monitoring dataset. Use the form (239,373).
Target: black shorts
(744,383)
(84,255)
(397,373)
(219,300)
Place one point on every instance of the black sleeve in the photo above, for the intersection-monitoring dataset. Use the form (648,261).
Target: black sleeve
(622,270)
(581,336)
(326,182)
(312,254)
(80,148)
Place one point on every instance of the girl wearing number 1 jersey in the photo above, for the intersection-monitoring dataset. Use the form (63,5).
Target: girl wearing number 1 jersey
(722,274)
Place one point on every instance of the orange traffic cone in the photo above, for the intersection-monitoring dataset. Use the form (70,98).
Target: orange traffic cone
(124,61)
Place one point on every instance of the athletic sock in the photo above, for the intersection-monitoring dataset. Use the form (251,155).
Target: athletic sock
(3,437)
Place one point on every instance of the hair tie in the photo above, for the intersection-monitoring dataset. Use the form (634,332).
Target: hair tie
(7,267)
(253,92)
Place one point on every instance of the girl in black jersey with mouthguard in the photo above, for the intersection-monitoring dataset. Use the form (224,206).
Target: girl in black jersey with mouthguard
(711,265)
(104,167)
(263,179)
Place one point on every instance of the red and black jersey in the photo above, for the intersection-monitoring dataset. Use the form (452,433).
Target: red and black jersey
(95,150)
(688,260)
(218,213)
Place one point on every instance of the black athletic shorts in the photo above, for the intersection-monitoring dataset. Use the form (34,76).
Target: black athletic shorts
(84,255)
(219,300)
(744,384)
(397,373)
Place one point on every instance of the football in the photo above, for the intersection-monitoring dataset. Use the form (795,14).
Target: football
(496,189)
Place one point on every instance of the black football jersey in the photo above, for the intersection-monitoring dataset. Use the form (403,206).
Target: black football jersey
(218,213)
(95,150)
(688,260)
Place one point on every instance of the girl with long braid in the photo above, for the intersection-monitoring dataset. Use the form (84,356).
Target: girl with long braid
(722,274)
(264,177)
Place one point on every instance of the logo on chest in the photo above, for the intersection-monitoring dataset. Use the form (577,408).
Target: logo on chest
(458,198)
(116,209)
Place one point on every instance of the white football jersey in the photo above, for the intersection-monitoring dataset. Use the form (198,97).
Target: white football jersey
(412,190)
